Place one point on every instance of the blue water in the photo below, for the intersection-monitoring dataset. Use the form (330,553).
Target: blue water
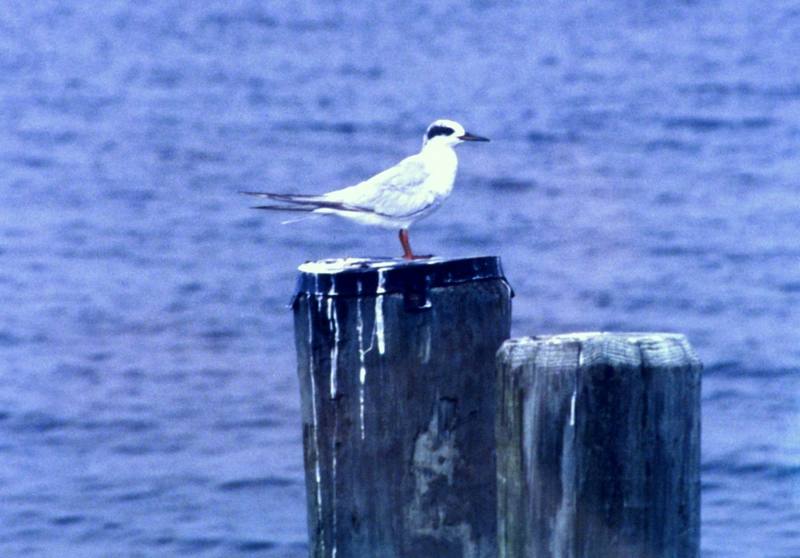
(643,175)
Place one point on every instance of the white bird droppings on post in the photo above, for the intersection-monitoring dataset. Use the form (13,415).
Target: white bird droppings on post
(425,345)
(379,328)
(572,407)
(333,322)
(362,378)
(379,324)
(332,265)
(381,282)
(315,426)
(362,371)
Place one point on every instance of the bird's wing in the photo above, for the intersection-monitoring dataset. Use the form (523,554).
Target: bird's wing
(394,192)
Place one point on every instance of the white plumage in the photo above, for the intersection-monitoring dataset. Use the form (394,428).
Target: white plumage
(396,197)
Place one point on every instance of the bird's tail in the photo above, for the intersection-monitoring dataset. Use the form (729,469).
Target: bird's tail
(301,202)
(293,199)
(303,218)
(290,202)
(285,207)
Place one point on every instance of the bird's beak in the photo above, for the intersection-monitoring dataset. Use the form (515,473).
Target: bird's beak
(470,137)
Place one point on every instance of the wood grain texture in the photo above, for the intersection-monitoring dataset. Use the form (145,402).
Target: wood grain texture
(398,421)
(598,447)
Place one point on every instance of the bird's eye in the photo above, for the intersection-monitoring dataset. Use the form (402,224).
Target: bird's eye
(440,131)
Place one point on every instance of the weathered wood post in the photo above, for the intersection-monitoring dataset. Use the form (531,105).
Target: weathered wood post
(396,362)
(598,447)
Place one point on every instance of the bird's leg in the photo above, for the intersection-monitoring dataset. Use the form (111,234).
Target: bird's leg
(407,253)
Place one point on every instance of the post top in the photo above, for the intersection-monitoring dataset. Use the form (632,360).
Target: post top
(603,346)
(633,337)
(375,276)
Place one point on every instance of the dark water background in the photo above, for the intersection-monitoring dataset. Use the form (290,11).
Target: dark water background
(643,175)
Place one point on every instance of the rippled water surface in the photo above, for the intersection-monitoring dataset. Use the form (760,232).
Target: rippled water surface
(643,175)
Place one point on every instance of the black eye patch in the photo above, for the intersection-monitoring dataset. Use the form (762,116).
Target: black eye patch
(440,131)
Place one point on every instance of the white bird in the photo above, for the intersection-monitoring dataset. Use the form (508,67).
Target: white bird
(397,197)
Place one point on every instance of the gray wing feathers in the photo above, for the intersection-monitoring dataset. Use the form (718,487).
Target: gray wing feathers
(394,192)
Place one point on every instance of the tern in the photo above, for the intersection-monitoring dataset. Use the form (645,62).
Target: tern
(397,197)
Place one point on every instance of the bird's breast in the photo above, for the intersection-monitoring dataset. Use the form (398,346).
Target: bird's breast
(442,165)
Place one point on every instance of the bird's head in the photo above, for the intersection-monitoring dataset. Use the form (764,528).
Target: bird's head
(448,132)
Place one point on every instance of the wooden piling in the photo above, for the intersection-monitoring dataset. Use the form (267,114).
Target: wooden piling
(396,364)
(598,447)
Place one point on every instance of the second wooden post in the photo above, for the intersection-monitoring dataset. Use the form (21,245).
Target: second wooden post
(598,447)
